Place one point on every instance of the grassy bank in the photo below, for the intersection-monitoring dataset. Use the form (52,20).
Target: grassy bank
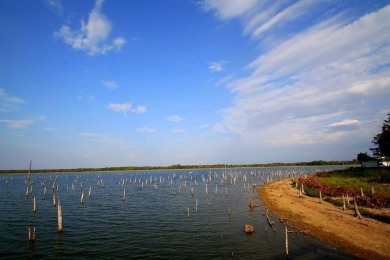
(370,187)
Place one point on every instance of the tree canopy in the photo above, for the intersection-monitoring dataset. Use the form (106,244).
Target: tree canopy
(382,142)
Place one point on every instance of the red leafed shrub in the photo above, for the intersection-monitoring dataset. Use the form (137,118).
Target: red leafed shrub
(373,202)
(365,201)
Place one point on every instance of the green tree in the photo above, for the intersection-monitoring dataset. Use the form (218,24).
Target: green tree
(362,158)
(382,142)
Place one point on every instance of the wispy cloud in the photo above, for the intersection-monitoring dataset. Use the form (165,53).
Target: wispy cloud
(216,66)
(18,124)
(345,122)
(175,118)
(102,139)
(226,9)
(51,129)
(146,130)
(92,36)
(125,108)
(110,84)
(139,109)
(55,5)
(120,107)
(179,131)
(9,103)
(328,72)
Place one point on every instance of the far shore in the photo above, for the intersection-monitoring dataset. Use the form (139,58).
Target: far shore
(365,238)
(181,167)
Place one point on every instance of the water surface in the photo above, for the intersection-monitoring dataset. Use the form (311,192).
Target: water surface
(157,217)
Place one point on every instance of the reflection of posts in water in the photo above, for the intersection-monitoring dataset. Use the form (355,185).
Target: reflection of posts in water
(58,243)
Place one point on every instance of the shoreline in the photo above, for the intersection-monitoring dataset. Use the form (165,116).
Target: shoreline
(364,238)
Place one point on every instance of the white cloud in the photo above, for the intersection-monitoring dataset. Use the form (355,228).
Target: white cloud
(17,124)
(93,35)
(175,118)
(102,139)
(179,131)
(110,84)
(345,122)
(139,110)
(125,108)
(55,5)
(216,66)
(226,9)
(329,71)
(146,130)
(120,107)
(8,103)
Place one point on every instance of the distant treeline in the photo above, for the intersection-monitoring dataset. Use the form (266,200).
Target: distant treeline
(179,166)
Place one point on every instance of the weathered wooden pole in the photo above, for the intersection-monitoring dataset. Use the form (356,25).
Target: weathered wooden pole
(59,214)
(357,213)
(286,242)
(34,205)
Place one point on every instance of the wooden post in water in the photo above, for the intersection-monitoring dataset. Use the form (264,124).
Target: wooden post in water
(54,199)
(34,206)
(286,242)
(31,234)
(59,215)
(196,205)
(82,198)
(89,192)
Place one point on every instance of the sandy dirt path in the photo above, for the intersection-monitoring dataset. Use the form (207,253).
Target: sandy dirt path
(364,238)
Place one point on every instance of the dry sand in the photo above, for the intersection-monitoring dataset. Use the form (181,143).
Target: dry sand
(364,238)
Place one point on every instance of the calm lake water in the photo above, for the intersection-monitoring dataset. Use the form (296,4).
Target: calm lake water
(157,218)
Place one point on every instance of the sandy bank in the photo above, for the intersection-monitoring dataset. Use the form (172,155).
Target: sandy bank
(365,238)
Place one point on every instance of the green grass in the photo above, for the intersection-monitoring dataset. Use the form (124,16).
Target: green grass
(356,179)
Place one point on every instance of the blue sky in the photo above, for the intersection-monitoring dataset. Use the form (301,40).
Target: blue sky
(140,82)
